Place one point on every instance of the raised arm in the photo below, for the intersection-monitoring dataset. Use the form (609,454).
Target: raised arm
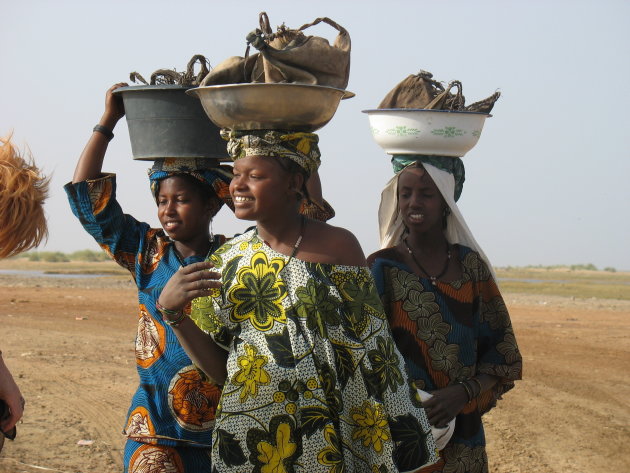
(91,160)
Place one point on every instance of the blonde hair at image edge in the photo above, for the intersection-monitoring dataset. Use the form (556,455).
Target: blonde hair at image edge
(23,190)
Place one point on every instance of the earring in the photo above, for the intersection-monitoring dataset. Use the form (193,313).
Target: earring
(211,232)
(445,214)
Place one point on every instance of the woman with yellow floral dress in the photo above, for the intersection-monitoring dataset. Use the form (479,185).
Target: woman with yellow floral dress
(445,310)
(313,380)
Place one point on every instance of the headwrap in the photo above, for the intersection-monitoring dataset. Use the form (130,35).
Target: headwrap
(207,171)
(452,165)
(299,147)
(391,225)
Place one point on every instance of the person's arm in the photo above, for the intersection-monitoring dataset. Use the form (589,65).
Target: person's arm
(90,162)
(188,283)
(202,350)
(92,195)
(10,393)
(447,402)
(498,363)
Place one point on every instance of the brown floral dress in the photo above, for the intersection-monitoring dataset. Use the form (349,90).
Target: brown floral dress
(447,333)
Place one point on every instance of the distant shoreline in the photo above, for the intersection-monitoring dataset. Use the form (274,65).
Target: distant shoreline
(552,281)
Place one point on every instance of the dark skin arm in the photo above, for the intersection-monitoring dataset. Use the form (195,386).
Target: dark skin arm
(90,162)
(207,355)
(10,393)
(447,402)
(190,282)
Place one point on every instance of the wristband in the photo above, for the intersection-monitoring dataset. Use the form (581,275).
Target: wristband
(478,384)
(170,317)
(469,393)
(106,132)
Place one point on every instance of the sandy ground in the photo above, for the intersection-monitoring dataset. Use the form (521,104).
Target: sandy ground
(70,344)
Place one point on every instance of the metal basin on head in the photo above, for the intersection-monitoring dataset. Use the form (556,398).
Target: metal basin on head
(164,122)
(270,106)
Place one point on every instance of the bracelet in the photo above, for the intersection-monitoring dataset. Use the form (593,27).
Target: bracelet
(103,130)
(169,315)
(177,321)
(478,384)
(469,393)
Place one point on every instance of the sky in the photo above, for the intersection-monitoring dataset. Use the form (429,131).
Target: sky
(547,183)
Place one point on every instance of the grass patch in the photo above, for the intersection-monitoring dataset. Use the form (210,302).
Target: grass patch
(58,257)
(107,267)
(566,281)
(579,290)
(565,274)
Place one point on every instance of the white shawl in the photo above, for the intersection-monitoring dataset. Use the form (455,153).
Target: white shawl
(391,225)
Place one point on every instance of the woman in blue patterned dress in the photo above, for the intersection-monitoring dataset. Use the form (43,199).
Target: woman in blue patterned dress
(169,423)
(447,315)
(313,380)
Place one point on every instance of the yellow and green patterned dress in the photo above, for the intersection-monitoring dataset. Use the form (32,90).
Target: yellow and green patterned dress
(315,382)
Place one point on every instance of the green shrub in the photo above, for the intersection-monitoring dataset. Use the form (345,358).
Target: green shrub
(33,256)
(48,256)
(584,267)
(88,255)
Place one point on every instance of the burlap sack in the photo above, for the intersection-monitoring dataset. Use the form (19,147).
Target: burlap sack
(421,91)
(288,56)
(414,91)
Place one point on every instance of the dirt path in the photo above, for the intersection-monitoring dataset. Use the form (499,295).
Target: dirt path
(70,343)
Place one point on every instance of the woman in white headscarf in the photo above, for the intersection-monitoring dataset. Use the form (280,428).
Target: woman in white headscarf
(447,315)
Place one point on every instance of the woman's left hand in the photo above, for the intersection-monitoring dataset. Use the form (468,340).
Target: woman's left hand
(10,393)
(188,283)
(445,404)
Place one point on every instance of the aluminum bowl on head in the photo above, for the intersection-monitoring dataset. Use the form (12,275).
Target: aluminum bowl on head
(428,132)
(269,106)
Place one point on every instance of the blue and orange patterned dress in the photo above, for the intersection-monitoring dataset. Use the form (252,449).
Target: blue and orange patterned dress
(173,410)
(447,333)
(315,382)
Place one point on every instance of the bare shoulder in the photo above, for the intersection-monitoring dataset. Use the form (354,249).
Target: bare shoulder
(324,243)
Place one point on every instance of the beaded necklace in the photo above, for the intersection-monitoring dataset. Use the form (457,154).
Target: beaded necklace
(444,269)
(297,243)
